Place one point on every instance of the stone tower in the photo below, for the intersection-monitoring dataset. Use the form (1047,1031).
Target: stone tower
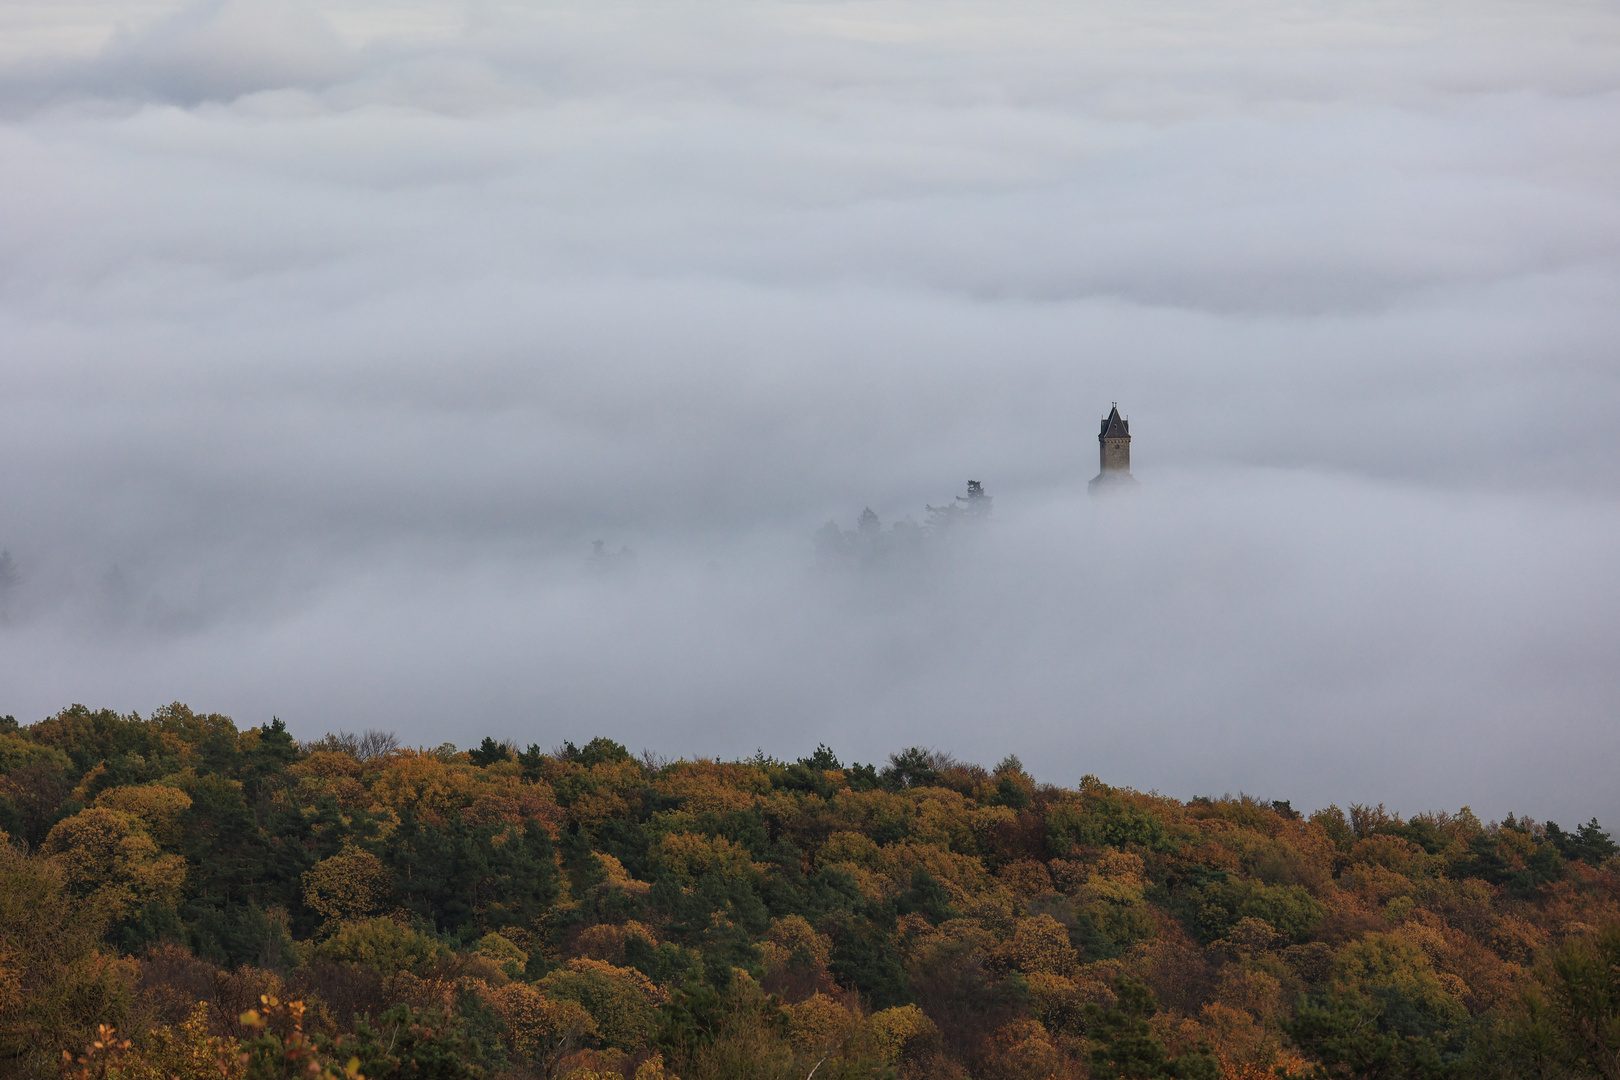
(1113,452)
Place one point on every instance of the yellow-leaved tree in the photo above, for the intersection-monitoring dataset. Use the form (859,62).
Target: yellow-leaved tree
(1040,944)
(692,855)
(160,808)
(901,1031)
(56,983)
(347,886)
(109,858)
(382,945)
(791,942)
(819,1023)
(622,1001)
(540,1031)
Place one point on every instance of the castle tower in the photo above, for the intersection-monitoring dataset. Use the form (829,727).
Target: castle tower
(1113,452)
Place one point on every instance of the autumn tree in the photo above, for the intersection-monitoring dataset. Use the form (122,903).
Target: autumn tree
(1125,1048)
(57,980)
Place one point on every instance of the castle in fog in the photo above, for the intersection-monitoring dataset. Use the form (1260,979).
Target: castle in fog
(1113,453)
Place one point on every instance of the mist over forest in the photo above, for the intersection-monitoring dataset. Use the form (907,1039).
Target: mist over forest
(333,334)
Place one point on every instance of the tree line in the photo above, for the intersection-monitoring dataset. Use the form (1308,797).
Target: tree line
(182,898)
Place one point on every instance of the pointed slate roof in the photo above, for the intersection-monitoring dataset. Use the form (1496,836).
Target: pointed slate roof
(1114,427)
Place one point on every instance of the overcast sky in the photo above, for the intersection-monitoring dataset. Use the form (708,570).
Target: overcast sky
(332,334)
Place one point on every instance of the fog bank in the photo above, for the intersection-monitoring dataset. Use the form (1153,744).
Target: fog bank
(333,334)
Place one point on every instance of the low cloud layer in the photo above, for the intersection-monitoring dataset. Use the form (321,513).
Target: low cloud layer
(332,335)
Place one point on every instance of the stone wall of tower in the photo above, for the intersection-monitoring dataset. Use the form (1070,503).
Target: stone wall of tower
(1115,454)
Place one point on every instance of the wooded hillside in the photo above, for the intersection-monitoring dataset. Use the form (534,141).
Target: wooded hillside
(180,898)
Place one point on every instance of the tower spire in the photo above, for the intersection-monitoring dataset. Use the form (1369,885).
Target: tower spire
(1113,452)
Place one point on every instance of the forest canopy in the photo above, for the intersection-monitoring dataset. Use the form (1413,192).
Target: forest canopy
(180,897)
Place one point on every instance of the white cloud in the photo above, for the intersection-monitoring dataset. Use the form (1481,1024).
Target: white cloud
(226,48)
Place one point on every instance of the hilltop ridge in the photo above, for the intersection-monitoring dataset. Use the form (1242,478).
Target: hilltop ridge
(585,913)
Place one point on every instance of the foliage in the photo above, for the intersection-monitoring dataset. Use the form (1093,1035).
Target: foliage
(1215,908)
(902,1030)
(1107,820)
(539,1031)
(108,858)
(410,1044)
(381,945)
(1125,1047)
(622,1002)
(582,912)
(1569,1024)
(1371,1035)
(1589,842)
(58,981)
(282,1050)
(183,1051)
(349,885)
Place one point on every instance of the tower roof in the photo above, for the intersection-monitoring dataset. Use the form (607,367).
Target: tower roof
(1114,426)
